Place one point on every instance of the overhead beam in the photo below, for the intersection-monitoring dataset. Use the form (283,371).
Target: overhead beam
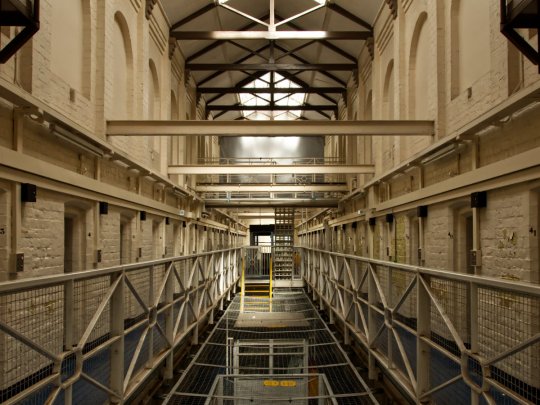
(272,169)
(304,107)
(256,215)
(276,90)
(268,203)
(323,72)
(216,44)
(271,35)
(243,59)
(270,128)
(350,16)
(328,45)
(249,188)
(193,16)
(271,67)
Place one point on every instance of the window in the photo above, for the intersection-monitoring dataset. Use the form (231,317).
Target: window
(288,99)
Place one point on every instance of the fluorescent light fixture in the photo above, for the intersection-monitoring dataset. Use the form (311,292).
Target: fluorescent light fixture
(441,153)
(75,140)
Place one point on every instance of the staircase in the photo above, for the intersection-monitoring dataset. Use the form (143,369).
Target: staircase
(257,289)
(283,245)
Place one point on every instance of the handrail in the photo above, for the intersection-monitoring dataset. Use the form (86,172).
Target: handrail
(516,286)
(26,283)
(55,330)
(423,326)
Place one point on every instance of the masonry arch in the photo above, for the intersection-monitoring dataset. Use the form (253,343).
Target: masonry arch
(122,92)
(69,27)
(419,71)
(368,108)
(469,43)
(388,91)
(386,153)
(154,100)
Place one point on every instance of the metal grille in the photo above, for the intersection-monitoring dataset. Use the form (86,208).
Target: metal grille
(283,245)
(94,337)
(444,337)
(324,356)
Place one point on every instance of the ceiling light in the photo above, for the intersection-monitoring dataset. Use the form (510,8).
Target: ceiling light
(75,140)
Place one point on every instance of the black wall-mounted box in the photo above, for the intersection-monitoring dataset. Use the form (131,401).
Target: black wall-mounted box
(28,192)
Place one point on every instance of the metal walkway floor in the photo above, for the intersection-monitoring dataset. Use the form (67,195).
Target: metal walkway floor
(288,355)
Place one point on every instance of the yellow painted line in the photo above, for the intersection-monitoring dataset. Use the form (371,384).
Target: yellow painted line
(242,285)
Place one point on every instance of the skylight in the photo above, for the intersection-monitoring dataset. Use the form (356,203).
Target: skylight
(279,99)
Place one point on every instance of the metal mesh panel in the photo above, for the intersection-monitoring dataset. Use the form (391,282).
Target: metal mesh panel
(38,315)
(507,320)
(323,352)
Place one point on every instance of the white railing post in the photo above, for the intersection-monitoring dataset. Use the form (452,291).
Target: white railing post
(372,326)
(117,331)
(169,322)
(423,349)
(69,340)
(473,316)
(151,310)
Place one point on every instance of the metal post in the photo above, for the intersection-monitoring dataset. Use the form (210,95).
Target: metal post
(69,341)
(117,348)
(423,350)
(372,326)
(169,324)
(150,336)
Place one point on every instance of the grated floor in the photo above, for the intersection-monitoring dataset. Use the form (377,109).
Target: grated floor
(325,356)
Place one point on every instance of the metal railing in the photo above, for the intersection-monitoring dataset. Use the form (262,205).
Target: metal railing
(275,179)
(257,261)
(101,334)
(217,161)
(443,337)
(240,389)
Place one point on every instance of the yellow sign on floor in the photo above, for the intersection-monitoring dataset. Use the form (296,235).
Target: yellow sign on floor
(284,383)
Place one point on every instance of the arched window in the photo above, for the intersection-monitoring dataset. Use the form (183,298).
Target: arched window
(68,45)
(419,71)
(122,69)
(368,107)
(154,100)
(174,106)
(388,91)
(470,43)
(386,153)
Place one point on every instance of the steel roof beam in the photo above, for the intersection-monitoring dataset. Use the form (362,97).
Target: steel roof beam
(216,44)
(349,16)
(328,45)
(193,16)
(272,36)
(304,107)
(323,72)
(272,67)
(276,90)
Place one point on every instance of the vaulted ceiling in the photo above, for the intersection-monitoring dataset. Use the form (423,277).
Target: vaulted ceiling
(212,38)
